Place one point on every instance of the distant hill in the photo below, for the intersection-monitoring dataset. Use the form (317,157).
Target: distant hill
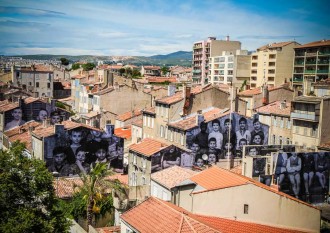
(181,58)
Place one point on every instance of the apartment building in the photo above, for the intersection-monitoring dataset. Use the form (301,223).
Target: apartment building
(321,88)
(150,71)
(311,64)
(277,116)
(203,50)
(310,117)
(37,79)
(230,67)
(272,64)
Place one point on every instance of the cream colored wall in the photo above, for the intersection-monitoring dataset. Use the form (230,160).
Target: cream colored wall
(324,121)
(229,203)
(218,46)
(38,150)
(159,191)
(284,64)
(183,197)
(247,166)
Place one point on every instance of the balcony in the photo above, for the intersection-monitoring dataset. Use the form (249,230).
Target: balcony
(310,71)
(296,79)
(323,53)
(297,63)
(325,62)
(322,71)
(311,53)
(310,62)
(310,116)
(196,71)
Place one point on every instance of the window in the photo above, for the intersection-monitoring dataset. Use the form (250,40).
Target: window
(152,122)
(246,209)
(37,84)
(162,131)
(274,139)
(144,120)
(314,131)
(133,179)
(288,141)
(282,122)
(48,85)
(144,163)
(144,181)
(182,139)
(166,132)
(134,158)
(171,135)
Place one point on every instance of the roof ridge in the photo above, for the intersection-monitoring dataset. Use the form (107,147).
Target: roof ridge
(181,223)
(187,221)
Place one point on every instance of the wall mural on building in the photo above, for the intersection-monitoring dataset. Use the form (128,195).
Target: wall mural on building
(266,150)
(261,170)
(225,137)
(76,151)
(303,175)
(38,110)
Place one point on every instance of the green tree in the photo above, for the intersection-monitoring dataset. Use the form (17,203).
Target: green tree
(164,70)
(75,66)
(64,61)
(88,66)
(121,71)
(27,198)
(136,73)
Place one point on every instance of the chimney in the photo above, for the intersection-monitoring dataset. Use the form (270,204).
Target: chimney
(227,38)
(283,104)
(199,117)
(171,89)
(186,92)
(265,95)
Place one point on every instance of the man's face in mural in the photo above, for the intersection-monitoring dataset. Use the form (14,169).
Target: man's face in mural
(17,114)
(112,151)
(100,154)
(253,152)
(227,126)
(242,125)
(59,158)
(212,159)
(257,125)
(43,115)
(56,119)
(241,144)
(76,137)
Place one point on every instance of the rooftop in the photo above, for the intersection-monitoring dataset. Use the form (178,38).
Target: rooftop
(310,99)
(275,45)
(172,176)
(151,110)
(275,108)
(129,115)
(148,147)
(315,44)
(124,132)
(256,91)
(155,215)
(161,79)
(323,82)
(138,123)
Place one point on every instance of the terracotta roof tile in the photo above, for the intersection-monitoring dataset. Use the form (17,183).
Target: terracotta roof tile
(29,100)
(315,44)
(148,147)
(325,145)
(129,115)
(138,123)
(151,110)
(275,108)
(161,79)
(151,67)
(172,176)
(8,106)
(48,131)
(124,132)
(190,121)
(155,215)
(91,114)
(217,178)
(120,177)
(257,90)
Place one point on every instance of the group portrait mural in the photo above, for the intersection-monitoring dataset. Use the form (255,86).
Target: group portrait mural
(75,152)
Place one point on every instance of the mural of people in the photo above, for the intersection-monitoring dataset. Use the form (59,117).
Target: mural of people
(156,164)
(257,130)
(257,138)
(202,137)
(101,157)
(321,170)
(243,132)
(280,169)
(171,157)
(229,133)
(308,170)
(55,117)
(259,168)
(17,116)
(80,166)
(293,167)
(216,133)
(42,115)
(76,136)
(59,163)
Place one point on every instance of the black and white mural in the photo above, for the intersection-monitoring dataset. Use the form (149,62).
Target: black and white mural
(225,137)
(266,150)
(303,175)
(76,151)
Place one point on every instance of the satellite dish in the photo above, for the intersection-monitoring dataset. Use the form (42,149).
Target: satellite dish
(204,157)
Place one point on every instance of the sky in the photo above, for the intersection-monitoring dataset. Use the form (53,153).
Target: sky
(153,27)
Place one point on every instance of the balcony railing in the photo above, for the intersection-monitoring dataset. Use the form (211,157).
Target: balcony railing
(311,53)
(299,63)
(324,53)
(305,116)
(197,71)
(322,71)
(310,71)
(310,62)
(323,62)
(296,79)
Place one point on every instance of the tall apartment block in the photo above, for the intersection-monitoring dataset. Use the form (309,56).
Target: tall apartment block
(272,64)
(230,67)
(311,64)
(203,50)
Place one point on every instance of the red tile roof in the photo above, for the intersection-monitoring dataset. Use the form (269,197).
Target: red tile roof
(129,115)
(151,110)
(29,100)
(218,178)
(172,176)
(151,67)
(48,131)
(275,109)
(155,215)
(257,90)
(148,147)
(113,229)
(190,122)
(8,106)
(138,123)
(120,177)
(325,146)
(315,44)
(275,45)
(161,79)
(124,132)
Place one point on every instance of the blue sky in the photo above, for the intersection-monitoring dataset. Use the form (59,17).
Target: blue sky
(150,27)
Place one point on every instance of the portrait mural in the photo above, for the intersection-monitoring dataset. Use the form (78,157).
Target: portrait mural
(261,170)
(76,151)
(266,150)
(225,137)
(302,175)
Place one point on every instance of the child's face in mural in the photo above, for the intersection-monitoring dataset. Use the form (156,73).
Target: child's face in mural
(227,126)
(112,151)
(199,162)
(17,114)
(253,152)
(100,154)
(228,146)
(195,147)
(257,125)
(76,137)
(96,133)
(120,152)
(212,159)
(56,119)
(216,127)
(257,140)
(241,144)
(81,156)
(43,115)
(242,125)
(212,144)
(59,158)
